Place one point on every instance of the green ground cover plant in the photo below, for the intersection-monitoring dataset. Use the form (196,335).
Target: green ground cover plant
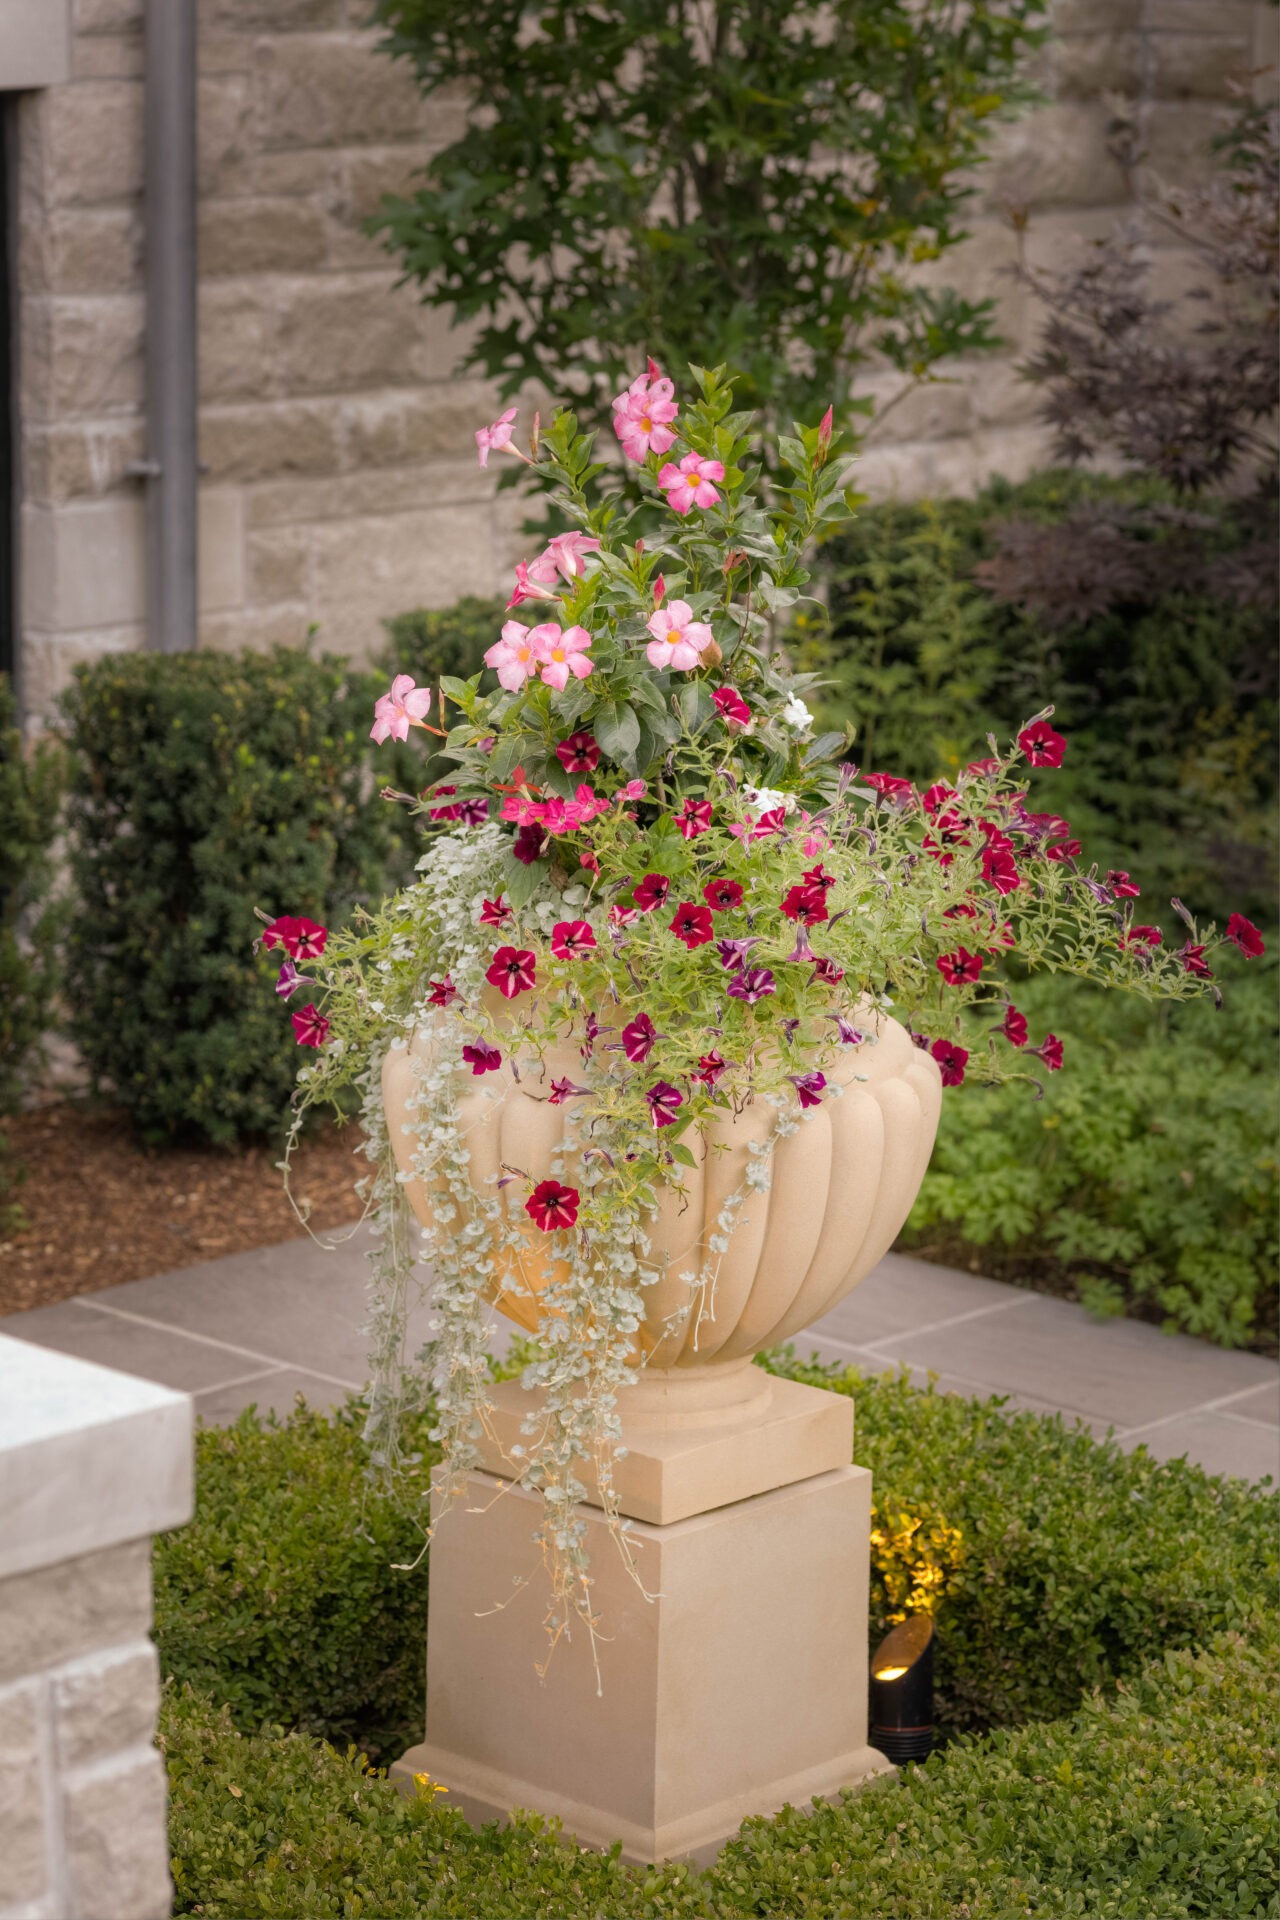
(205,785)
(1107,1651)
(1144,1181)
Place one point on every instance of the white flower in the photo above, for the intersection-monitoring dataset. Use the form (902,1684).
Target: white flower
(766,799)
(796,715)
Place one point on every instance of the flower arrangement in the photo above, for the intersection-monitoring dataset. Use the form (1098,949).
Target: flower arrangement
(645,850)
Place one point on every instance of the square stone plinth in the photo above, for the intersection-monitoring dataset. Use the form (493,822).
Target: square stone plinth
(789,1433)
(738,1686)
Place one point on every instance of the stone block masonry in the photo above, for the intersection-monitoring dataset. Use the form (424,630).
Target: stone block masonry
(339,477)
(92,1463)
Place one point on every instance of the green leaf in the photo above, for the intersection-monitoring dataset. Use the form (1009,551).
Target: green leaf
(521,882)
(617,730)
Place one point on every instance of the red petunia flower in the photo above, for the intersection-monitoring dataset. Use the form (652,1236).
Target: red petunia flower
(1050,1051)
(752,984)
(826,970)
(1014,1027)
(958,969)
(890,785)
(579,753)
(481,1058)
(442,993)
(638,1038)
(937,796)
(1122,886)
(693,925)
(513,971)
(695,818)
(528,844)
(570,939)
(722,895)
(819,877)
(1243,934)
(622,916)
(952,1059)
(709,1068)
(1065,850)
(301,939)
(652,892)
(552,1206)
(809,1086)
(495,913)
(310,1028)
(999,870)
(1142,937)
(562,1090)
(983,767)
(1193,961)
(805,903)
(1042,746)
(731,707)
(664,1102)
(962,910)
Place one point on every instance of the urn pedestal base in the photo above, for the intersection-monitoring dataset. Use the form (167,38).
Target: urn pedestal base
(739,1687)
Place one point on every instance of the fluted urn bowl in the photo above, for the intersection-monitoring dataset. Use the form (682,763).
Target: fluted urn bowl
(842,1185)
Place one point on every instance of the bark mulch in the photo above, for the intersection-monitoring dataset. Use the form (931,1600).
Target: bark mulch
(100,1209)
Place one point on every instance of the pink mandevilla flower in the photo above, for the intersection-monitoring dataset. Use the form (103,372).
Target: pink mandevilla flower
(562,652)
(678,638)
(512,971)
(395,712)
(1042,746)
(689,484)
(664,1103)
(570,939)
(497,438)
(952,1059)
(515,657)
(482,1058)
(638,1038)
(694,818)
(552,1206)
(310,1028)
(564,554)
(642,414)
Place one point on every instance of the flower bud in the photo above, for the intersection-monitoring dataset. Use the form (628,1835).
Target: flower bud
(711,654)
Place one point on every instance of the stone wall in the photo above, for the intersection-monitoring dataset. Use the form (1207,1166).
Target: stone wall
(340,484)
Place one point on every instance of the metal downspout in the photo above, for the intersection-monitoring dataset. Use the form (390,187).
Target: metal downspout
(170,252)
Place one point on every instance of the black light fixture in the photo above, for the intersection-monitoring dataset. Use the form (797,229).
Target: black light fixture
(902,1691)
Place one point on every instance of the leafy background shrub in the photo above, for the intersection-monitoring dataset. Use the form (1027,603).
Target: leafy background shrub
(31,787)
(1064,1564)
(205,785)
(1145,1180)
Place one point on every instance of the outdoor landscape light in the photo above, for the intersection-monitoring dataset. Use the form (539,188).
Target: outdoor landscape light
(902,1691)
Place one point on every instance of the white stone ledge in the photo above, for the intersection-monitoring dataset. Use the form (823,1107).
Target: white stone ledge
(88,1457)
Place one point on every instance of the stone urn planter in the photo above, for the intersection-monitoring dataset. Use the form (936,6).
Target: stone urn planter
(737,1680)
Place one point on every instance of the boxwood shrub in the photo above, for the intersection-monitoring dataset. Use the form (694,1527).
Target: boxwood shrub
(205,785)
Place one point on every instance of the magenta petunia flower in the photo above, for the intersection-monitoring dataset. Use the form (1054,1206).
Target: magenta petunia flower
(709,1068)
(442,993)
(678,639)
(1122,886)
(805,903)
(1142,937)
(891,786)
(983,768)
(495,913)
(288,980)
(962,910)
(935,798)
(664,1103)
(471,813)
(395,712)
(622,916)
(731,707)
(570,939)
(1064,850)
(497,438)
(513,971)
(301,939)
(958,969)
(752,984)
(847,1034)
(694,818)
(552,1206)
(722,895)
(692,925)
(652,892)
(999,870)
(809,1086)
(826,970)
(733,953)
(562,1090)
(481,1058)
(689,484)
(310,1028)
(1243,934)
(1014,1027)
(638,1037)
(1193,962)
(952,1059)
(528,844)
(1050,1051)
(1042,746)
(634,790)
(579,753)
(819,877)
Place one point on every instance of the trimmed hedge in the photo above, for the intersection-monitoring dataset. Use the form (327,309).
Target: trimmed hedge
(206,785)
(1159,1799)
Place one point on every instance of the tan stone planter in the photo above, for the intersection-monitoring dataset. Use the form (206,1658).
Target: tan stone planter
(741,1684)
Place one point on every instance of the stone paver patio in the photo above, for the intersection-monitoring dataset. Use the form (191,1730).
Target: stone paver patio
(262,1327)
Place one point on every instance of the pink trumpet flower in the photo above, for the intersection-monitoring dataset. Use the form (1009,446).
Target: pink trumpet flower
(497,438)
(395,712)
(689,484)
(562,652)
(515,657)
(678,638)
